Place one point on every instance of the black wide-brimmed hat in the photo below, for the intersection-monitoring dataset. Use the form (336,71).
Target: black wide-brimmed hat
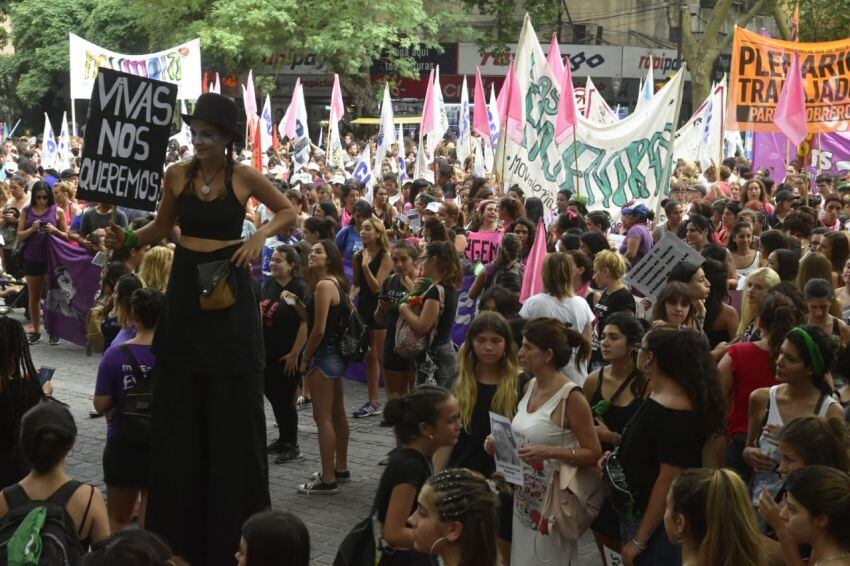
(216,109)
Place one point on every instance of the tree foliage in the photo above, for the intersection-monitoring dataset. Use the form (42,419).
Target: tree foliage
(236,35)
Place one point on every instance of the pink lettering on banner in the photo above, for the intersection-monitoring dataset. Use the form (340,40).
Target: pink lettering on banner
(483,246)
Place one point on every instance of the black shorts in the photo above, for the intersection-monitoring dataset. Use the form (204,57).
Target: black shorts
(125,464)
(34,268)
(392,361)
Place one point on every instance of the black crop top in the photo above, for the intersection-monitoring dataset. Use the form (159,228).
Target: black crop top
(219,219)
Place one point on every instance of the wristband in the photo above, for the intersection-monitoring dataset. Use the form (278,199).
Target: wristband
(131,240)
(640,545)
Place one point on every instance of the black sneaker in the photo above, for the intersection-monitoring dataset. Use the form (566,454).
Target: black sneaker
(341,477)
(287,454)
(317,487)
(54,340)
(34,338)
(274,447)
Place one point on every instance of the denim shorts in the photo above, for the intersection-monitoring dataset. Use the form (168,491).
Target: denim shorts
(329,362)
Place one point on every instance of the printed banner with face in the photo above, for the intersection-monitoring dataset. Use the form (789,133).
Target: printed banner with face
(127,131)
(610,165)
(180,65)
(759,65)
(72,284)
(831,150)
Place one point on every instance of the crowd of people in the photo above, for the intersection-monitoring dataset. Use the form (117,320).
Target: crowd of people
(713,416)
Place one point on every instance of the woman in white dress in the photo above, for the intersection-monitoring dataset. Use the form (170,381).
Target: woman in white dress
(550,397)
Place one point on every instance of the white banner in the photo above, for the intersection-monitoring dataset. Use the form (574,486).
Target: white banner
(596,109)
(180,65)
(617,164)
(692,141)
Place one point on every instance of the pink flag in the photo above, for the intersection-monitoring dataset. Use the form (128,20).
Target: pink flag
(510,107)
(291,117)
(791,109)
(428,108)
(337,106)
(567,117)
(532,280)
(217,86)
(250,96)
(554,59)
(480,120)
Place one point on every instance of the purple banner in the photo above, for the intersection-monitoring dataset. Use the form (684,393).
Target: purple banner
(73,282)
(832,150)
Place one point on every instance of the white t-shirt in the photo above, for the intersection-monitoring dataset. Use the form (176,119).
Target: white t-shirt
(573,311)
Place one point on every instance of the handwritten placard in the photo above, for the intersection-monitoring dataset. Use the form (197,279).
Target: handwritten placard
(127,129)
(650,274)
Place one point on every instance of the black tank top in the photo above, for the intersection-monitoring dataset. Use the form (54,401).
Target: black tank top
(615,417)
(219,219)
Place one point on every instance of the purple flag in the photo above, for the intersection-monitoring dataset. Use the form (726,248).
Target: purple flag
(73,282)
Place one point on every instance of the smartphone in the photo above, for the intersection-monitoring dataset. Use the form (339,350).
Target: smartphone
(45,374)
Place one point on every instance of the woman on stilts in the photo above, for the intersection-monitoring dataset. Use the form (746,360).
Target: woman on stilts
(208,463)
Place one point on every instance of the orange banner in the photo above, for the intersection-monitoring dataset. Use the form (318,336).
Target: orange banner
(759,65)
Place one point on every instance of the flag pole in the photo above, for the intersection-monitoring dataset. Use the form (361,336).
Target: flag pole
(575,152)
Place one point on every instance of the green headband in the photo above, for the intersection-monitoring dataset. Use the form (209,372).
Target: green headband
(814,351)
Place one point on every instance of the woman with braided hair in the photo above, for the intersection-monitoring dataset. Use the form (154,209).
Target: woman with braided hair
(19,392)
(208,460)
(456,518)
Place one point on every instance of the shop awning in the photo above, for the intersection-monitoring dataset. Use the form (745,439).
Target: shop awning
(377,121)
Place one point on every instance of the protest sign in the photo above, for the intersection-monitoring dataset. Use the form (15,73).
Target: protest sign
(72,284)
(650,274)
(180,65)
(483,246)
(127,131)
(759,65)
(506,449)
(629,161)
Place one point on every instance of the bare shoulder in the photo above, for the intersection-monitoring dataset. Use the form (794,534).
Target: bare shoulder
(176,176)
(759,396)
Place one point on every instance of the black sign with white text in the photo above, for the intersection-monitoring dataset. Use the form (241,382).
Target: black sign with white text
(127,130)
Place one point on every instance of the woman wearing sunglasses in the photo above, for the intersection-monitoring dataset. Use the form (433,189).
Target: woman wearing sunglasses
(41,219)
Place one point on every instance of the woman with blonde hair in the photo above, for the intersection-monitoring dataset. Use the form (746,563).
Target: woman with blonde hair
(156,267)
(66,200)
(709,514)
(608,270)
(488,380)
(759,282)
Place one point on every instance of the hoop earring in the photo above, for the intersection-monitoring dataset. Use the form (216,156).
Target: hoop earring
(436,542)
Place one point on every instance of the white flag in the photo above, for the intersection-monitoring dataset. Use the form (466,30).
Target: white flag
(321,136)
(64,150)
(386,133)
(49,151)
(336,154)
(647,87)
(266,126)
(463,139)
(479,157)
(493,117)
(363,172)
(441,117)
(294,125)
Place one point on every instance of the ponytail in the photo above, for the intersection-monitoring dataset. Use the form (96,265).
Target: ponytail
(566,344)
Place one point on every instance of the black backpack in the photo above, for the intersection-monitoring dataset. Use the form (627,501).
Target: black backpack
(60,541)
(509,277)
(134,410)
(352,334)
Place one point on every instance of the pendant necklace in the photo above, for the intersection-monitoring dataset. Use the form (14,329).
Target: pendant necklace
(205,190)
